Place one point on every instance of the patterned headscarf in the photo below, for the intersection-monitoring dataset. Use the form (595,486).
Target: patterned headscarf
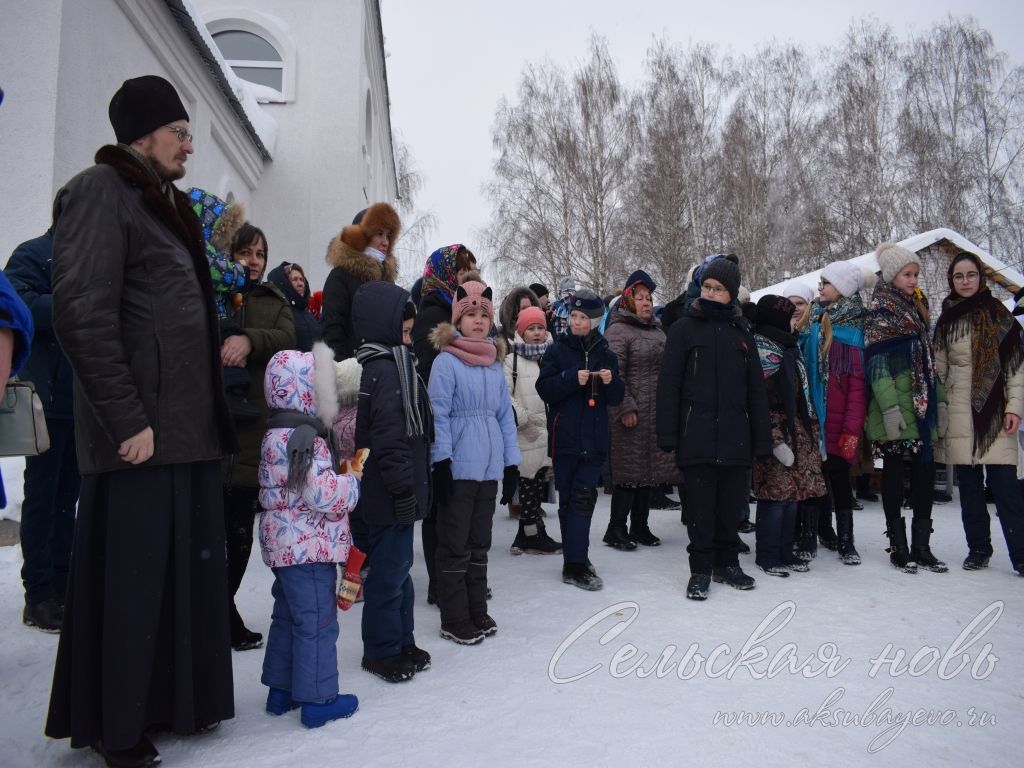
(440,275)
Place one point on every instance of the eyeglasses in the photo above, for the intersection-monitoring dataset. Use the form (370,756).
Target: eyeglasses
(970,277)
(707,287)
(182,133)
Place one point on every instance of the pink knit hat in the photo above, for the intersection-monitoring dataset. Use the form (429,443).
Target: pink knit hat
(471,295)
(528,317)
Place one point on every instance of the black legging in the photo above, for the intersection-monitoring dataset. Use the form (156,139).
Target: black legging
(922,482)
(837,475)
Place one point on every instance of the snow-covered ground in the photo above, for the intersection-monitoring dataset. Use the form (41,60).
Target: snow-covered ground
(513,699)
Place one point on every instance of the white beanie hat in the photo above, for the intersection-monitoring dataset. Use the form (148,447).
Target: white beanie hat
(798,288)
(844,276)
(892,258)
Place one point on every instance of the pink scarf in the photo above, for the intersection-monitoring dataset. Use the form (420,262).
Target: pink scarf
(473,351)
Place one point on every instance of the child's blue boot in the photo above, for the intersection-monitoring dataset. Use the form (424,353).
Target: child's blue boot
(280,701)
(315,714)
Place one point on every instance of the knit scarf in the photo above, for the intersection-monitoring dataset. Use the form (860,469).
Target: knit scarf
(996,354)
(841,320)
(305,429)
(780,356)
(415,403)
(481,352)
(531,351)
(896,339)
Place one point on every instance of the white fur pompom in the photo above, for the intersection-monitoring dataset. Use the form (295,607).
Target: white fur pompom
(324,384)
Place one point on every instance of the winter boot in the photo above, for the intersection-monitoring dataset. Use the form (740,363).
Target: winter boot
(393,669)
(582,575)
(462,632)
(899,554)
(280,701)
(826,534)
(420,658)
(533,539)
(659,499)
(844,523)
(638,519)
(732,575)
(46,615)
(485,624)
(315,714)
(921,531)
(616,536)
(805,545)
(698,586)
(976,560)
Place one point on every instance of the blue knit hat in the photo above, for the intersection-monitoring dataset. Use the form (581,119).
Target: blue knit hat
(587,302)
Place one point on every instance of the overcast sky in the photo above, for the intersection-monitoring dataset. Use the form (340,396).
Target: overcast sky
(450,61)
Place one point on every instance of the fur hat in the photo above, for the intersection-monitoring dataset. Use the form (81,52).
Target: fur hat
(588,302)
(844,276)
(727,272)
(143,104)
(892,258)
(775,312)
(528,317)
(471,295)
(798,288)
(366,224)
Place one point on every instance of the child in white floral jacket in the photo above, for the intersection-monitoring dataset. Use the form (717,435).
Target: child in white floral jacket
(304,531)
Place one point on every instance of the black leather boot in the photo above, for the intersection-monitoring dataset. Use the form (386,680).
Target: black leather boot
(616,536)
(844,525)
(921,532)
(899,553)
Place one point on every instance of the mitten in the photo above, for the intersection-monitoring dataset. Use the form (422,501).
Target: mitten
(405,507)
(893,421)
(943,419)
(443,482)
(848,445)
(784,454)
(509,483)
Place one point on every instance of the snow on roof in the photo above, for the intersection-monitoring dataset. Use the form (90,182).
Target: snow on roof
(915,243)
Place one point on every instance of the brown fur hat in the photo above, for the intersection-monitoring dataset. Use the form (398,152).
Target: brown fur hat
(378,216)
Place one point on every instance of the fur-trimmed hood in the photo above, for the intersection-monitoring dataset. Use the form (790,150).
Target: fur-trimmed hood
(346,250)
(509,310)
(304,382)
(445,333)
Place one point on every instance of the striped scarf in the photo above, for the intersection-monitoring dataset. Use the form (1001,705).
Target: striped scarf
(415,403)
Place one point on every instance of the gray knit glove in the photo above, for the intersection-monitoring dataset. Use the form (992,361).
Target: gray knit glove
(784,454)
(893,421)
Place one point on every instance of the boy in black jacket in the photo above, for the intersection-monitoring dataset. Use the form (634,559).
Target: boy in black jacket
(579,379)
(395,488)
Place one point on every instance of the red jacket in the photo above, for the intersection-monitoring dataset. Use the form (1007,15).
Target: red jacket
(846,399)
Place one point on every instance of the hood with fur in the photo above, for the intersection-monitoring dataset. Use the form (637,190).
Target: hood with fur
(509,310)
(304,382)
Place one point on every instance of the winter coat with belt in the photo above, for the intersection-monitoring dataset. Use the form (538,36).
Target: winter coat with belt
(578,415)
(398,463)
(352,268)
(266,320)
(711,402)
(29,272)
(954,366)
(310,524)
(133,310)
(473,421)
(521,375)
(639,346)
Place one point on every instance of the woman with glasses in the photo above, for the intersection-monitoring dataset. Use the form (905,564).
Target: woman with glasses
(907,403)
(978,356)
(834,358)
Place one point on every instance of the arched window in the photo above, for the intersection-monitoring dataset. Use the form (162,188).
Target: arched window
(251,57)
(258,48)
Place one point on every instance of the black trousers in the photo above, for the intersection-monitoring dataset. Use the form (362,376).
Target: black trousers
(715,496)
(922,487)
(463,541)
(241,506)
(837,475)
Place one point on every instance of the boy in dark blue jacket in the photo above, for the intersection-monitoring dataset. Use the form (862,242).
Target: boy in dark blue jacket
(395,487)
(579,379)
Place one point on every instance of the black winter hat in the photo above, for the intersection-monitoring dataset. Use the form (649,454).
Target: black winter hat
(539,289)
(143,104)
(642,278)
(725,271)
(775,312)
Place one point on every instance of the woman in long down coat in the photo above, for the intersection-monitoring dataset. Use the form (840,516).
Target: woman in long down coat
(638,341)
(978,356)
(907,401)
(793,472)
